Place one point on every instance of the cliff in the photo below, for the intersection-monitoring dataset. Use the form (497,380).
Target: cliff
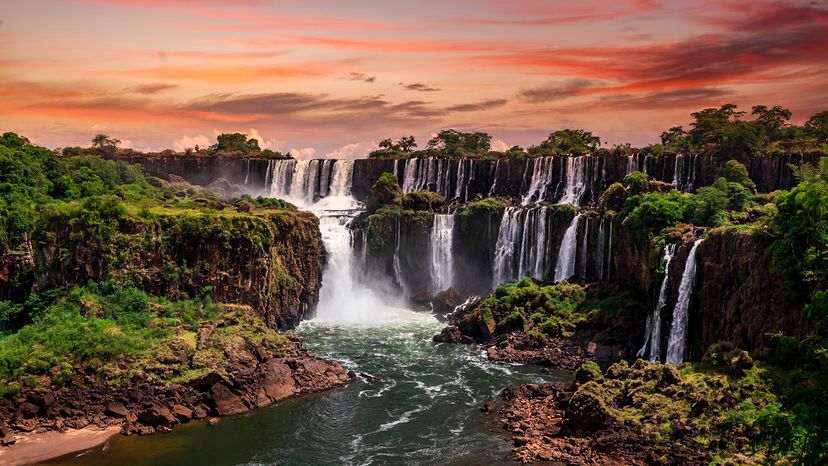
(267,259)
(581,178)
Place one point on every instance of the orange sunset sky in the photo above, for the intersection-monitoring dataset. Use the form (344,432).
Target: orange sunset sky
(330,78)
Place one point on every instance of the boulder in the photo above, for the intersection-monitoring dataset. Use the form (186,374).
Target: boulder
(116,409)
(278,383)
(449,334)
(225,401)
(445,301)
(28,410)
(587,412)
(156,416)
(182,413)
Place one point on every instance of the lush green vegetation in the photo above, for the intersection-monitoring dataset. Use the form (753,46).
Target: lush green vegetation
(84,236)
(693,408)
(650,207)
(553,310)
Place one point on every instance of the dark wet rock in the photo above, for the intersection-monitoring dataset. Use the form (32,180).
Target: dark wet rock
(451,334)
(225,402)
(488,406)
(445,301)
(157,416)
(182,413)
(421,300)
(116,409)
(370,378)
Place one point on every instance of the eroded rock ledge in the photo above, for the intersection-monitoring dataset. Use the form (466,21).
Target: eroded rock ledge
(234,365)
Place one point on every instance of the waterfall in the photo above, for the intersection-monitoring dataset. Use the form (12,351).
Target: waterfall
(602,246)
(504,259)
(609,253)
(565,267)
(584,252)
(397,267)
(342,298)
(306,182)
(541,180)
(676,345)
(575,179)
(442,259)
(461,188)
(631,165)
(410,175)
(247,171)
(652,336)
(522,245)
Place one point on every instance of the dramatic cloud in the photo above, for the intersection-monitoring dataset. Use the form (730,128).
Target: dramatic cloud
(356,150)
(556,90)
(622,68)
(304,153)
(499,145)
(189,142)
(419,87)
(477,106)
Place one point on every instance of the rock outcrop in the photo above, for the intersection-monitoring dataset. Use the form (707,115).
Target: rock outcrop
(237,365)
(267,259)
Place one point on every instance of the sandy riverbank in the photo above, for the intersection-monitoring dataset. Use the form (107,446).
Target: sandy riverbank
(33,448)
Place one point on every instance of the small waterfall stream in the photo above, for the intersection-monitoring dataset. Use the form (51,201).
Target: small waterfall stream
(676,345)
(652,338)
(567,254)
(441,239)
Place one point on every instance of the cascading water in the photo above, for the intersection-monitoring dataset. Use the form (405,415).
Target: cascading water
(602,246)
(306,182)
(575,179)
(565,267)
(504,258)
(442,254)
(676,345)
(652,336)
(585,248)
(540,181)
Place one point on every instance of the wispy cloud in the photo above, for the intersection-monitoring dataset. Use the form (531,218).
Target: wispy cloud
(359,77)
(420,87)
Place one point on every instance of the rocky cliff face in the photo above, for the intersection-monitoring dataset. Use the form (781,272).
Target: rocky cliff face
(230,366)
(740,298)
(268,260)
(579,180)
(203,170)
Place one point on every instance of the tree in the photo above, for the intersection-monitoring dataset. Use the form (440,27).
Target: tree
(452,142)
(817,126)
(407,143)
(105,143)
(235,143)
(567,141)
(736,172)
(673,136)
(771,119)
(710,122)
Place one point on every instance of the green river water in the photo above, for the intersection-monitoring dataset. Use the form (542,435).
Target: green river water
(426,409)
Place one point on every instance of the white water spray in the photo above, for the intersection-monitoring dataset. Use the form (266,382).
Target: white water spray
(676,345)
(652,337)
(565,267)
(442,254)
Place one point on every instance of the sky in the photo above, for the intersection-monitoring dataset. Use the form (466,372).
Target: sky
(331,78)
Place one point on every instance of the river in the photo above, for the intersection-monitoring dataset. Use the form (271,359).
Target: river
(424,410)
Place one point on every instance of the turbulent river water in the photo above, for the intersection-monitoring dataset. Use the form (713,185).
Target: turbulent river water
(425,409)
